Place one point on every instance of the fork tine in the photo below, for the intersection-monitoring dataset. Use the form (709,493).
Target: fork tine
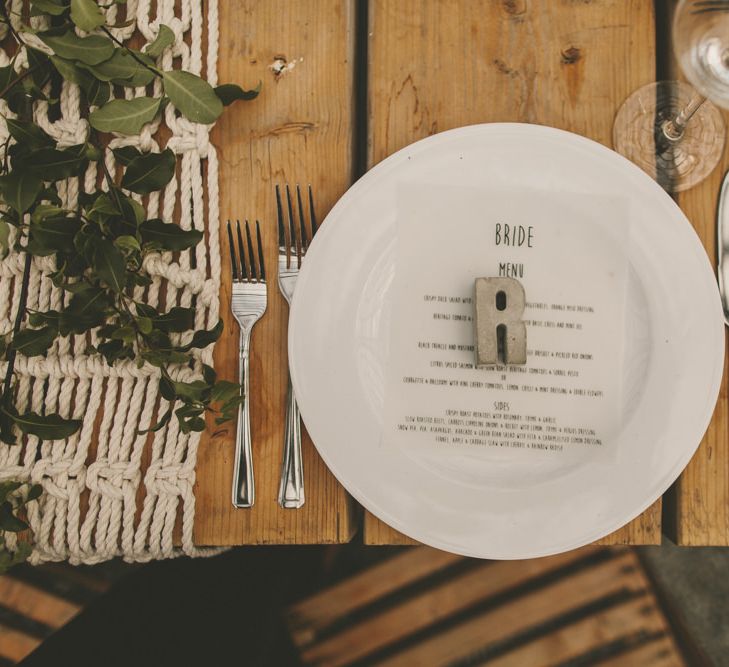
(279,212)
(233,260)
(302,221)
(260,252)
(293,241)
(241,253)
(251,255)
(312,214)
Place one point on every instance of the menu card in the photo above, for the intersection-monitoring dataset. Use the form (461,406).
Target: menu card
(569,251)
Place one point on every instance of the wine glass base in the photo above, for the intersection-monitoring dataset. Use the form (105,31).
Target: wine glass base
(638,135)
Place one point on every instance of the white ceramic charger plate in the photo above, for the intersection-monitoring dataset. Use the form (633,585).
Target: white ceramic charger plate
(339,331)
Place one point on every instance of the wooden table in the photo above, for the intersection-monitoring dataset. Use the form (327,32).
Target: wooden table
(345,84)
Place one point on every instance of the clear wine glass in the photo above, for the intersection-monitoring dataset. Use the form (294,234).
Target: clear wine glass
(669,128)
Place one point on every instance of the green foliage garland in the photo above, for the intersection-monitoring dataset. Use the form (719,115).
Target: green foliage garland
(99,246)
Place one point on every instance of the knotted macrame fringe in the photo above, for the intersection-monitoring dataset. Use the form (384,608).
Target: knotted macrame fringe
(99,501)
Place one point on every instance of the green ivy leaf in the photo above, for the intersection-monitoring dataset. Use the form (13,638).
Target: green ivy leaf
(145,310)
(44,211)
(125,154)
(4,239)
(123,69)
(109,265)
(29,134)
(196,424)
(161,358)
(90,50)
(46,427)
(141,279)
(209,374)
(52,7)
(52,164)
(115,350)
(203,338)
(38,62)
(132,210)
(165,37)
(191,391)
(33,91)
(20,189)
(86,15)
(144,324)
(149,172)
(103,206)
(86,310)
(167,388)
(177,319)
(193,96)
(98,93)
(7,431)
(230,92)
(168,236)
(126,334)
(6,488)
(8,521)
(127,243)
(10,559)
(33,342)
(54,234)
(125,116)
(7,75)
(50,318)
(224,391)
(69,71)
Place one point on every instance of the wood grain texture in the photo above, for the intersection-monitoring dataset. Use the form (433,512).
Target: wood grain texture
(700,507)
(298,130)
(438,65)
(580,607)
(435,605)
(612,625)
(307,619)
(16,645)
(660,653)
(36,604)
(603,580)
(699,500)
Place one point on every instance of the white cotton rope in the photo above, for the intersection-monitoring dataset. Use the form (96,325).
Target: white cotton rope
(107,490)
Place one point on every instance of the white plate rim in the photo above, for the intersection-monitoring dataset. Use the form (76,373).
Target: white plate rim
(416,532)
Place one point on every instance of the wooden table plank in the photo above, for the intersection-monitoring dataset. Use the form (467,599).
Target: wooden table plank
(581,607)
(699,510)
(698,504)
(437,65)
(298,130)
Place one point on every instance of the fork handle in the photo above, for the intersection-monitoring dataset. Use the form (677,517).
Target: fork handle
(291,487)
(243,485)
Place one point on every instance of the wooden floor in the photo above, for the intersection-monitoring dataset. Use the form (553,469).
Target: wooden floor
(347,83)
(37,601)
(431,609)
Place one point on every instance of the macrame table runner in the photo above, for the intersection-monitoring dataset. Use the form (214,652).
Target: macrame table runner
(97,501)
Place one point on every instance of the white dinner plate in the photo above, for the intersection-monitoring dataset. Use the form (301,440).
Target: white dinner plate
(339,332)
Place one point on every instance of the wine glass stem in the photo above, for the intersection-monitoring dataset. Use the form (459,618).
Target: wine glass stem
(673,129)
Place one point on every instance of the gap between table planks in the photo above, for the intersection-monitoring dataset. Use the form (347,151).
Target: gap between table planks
(299,129)
(438,65)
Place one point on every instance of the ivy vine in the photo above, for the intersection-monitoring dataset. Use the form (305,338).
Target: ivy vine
(100,245)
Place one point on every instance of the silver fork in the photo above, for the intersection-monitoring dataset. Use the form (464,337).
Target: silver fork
(248,303)
(291,254)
